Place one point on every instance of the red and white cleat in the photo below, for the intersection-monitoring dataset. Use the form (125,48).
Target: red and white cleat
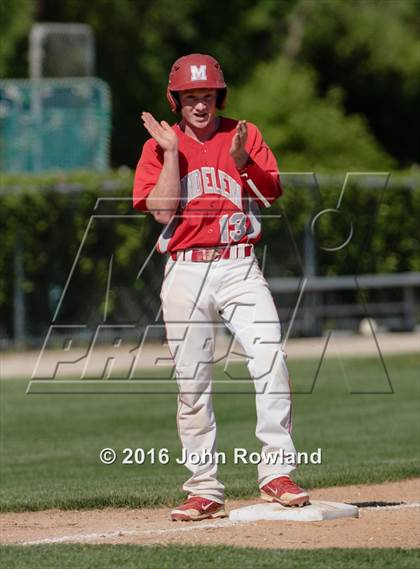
(198,508)
(284,491)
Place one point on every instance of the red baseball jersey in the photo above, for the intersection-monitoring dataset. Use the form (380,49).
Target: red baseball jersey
(219,205)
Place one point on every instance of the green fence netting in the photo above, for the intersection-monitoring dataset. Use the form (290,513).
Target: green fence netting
(54,124)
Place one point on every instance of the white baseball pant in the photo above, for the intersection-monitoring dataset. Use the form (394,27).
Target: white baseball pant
(194,297)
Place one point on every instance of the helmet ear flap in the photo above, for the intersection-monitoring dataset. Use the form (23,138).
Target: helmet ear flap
(173,99)
(221,98)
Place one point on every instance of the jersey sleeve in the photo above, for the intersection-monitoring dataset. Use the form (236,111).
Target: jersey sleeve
(260,176)
(147,173)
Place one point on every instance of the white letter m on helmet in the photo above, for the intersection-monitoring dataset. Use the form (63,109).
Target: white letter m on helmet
(198,73)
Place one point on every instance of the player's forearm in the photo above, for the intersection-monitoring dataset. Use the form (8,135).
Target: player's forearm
(265,186)
(163,200)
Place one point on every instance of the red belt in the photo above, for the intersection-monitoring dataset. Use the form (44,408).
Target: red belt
(208,254)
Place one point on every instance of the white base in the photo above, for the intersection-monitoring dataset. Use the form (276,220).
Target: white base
(316,511)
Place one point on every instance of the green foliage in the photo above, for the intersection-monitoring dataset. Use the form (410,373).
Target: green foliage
(384,227)
(16,17)
(307,132)
(51,217)
(371,50)
(348,96)
(332,84)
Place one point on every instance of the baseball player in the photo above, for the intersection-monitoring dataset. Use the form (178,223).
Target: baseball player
(205,179)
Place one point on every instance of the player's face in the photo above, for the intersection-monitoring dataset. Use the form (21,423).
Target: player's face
(198,106)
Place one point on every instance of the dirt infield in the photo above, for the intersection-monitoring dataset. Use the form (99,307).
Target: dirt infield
(389,526)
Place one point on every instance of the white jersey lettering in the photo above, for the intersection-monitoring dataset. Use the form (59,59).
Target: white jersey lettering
(207,180)
(191,187)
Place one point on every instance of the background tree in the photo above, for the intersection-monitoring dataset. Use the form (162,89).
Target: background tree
(356,64)
(16,18)
(371,50)
(306,131)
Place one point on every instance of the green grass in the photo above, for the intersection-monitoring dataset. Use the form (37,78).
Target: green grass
(50,443)
(183,557)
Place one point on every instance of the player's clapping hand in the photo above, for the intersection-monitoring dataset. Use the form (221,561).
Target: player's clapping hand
(161,131)
(237,149)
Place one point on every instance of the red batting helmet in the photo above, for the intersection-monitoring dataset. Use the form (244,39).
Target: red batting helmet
(195,71)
